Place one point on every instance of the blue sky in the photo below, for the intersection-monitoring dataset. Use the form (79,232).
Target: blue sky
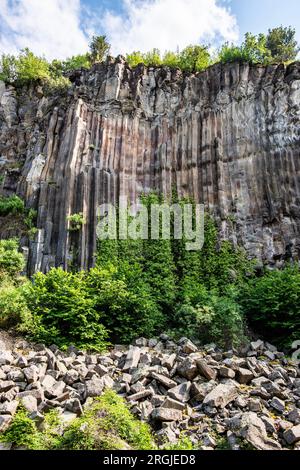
(61,28)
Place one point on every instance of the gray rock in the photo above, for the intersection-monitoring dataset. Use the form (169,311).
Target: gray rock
(9,407)
(5,445)
(5,421)
(187,346)
(257,345)
(173,404)
(278,405)
(168,361)
(254,431)
(221,395)
(226,372)
(141,395)
(132,358)
(74,406)
(181,392)
(31,374)
(6,385)
(165,381)
(166,414)
(6,358)
(294,416)
(188,369)
(205,370)
(30,403)
(244,376)
(292,435)
(94,387)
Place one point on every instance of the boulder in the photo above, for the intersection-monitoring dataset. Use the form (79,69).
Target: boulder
(221,395)
(252,429)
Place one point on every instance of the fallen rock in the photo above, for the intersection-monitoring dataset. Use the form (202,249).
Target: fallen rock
(252,429)
(132,358)
(221,395)
(205,370)
(166,414)
(292,435)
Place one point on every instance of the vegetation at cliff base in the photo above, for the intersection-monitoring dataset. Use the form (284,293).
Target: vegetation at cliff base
(277,46)
(143,287)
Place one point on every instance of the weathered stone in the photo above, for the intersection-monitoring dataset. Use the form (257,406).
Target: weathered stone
(132,358)
(166,414)
(94,387)
(168,361)
(6,358)
(257,345)
(205,370)
(278,405)
(226,372)
(292,435)
(5,421)
(173,404)
(74,406)
(9,407)
(294,416)
(30,403)
(140,395)
(188,369)
(254,431)
(31,374)
(187,346)
(6,385)
(181,392)
(165,381)
(221,395)
(244,376)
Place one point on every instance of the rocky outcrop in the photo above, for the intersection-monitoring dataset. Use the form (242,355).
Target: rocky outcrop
(218,412)
(228,136)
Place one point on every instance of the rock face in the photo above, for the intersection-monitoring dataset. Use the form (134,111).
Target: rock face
(228,136)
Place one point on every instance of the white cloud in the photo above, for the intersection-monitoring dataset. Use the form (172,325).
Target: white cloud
(62,28)
(168,24)
(47,27)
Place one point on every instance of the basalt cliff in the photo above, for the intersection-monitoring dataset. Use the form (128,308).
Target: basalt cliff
(228,136)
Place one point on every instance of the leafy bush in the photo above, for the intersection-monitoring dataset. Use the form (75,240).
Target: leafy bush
(30,67)
(11,260)
(215,319)
(63,312)
(76,222)
(272,304)
(13,306)
(11,205)
(22,431)
(107,425)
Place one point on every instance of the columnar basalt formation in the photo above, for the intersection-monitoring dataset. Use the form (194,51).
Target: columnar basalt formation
(228,136)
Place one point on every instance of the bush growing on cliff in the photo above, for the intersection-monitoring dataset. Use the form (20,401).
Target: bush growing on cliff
(11,205)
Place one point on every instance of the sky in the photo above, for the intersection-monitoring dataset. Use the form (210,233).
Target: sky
(62,28)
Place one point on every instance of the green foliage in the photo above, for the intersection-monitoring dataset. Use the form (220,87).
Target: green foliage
(11,205)
(11,260)
(13,306)
(282,44)
(76,221)
(279,45)
(184,443)
(63,312)
(8,72)
(31,67)
(272,304)
(191,59)
(22,431)
(99,49)
(215,319)
(107,425)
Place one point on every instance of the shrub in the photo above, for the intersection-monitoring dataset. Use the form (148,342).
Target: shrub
(107,425)
(13,306)
(11,260)
(76,222)
(272,304)
(216,319)
(63,312)
(11,205)
(30,67)
(99,49)
(22,431)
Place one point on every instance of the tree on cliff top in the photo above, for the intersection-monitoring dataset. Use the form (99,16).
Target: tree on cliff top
(99,49)
(282,44)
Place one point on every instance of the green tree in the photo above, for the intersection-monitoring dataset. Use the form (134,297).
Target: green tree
(11,260)
(135,58)
(194,58)
(31,67)
(8,72)
(99,49)
(282,44)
